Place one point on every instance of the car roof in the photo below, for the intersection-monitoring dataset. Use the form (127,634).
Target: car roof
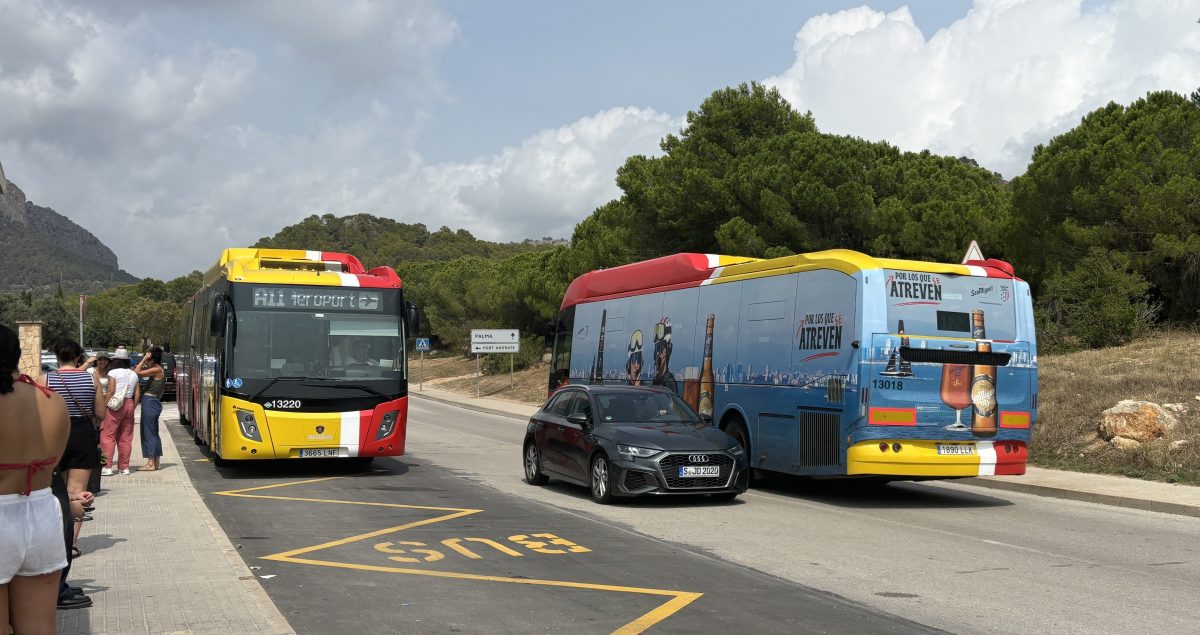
(610,389)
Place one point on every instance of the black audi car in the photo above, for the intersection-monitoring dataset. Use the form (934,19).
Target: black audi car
(631,441)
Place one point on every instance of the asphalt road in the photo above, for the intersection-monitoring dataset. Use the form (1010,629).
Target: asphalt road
(950,556)
(411,546)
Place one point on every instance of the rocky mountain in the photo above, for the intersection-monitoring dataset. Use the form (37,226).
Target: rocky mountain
(42,247)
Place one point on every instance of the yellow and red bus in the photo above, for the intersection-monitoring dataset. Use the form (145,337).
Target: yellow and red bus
(832,363)
(295,354)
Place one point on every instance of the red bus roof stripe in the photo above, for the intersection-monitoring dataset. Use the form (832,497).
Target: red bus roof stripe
(678,271)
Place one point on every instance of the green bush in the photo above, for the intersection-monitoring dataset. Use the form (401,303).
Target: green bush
(1100,302)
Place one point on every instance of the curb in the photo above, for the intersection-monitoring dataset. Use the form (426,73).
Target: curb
(249,583)
(467,406)
(1178,509)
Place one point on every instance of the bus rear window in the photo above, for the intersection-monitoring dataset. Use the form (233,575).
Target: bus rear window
(953,321)
(938,304)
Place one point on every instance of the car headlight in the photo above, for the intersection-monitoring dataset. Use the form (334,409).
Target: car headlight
(387,425)
(248,425)
(736,450)
(630,452)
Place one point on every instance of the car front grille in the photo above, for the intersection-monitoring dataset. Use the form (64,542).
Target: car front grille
(669,466)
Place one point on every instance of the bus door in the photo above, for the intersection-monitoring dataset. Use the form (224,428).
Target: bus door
(943,368)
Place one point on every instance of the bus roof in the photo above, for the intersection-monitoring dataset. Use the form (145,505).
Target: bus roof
(299,266)
(681,271)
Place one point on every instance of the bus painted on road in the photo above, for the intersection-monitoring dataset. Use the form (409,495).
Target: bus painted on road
(296,354)
(832,363)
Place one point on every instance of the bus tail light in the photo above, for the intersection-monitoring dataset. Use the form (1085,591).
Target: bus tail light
(896,448)
(883,446)
(248,425)
(387,425)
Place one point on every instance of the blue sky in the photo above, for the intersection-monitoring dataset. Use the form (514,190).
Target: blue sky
(202,125)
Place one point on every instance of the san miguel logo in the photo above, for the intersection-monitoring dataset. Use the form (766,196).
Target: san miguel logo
(910,285)
(986,291)
(820,332)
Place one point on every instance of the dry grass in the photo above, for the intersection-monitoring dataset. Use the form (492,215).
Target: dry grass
(1075,388)
(457,374)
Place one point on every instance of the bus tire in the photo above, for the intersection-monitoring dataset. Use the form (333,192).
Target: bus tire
(737,430)
(533,465)
(600,480)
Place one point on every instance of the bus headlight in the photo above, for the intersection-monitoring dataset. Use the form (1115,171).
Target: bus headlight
(248,425)
(387,425)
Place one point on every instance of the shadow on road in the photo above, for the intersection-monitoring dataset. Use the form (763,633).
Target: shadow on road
(876,494)
(649,501)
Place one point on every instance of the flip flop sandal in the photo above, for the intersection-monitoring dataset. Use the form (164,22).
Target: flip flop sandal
(75,552)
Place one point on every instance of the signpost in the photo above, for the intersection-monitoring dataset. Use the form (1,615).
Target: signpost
(973,252)
(422,346)
(485,341)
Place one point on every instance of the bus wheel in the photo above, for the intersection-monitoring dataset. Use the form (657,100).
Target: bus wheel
(737,430)
(533,465)
(600,480)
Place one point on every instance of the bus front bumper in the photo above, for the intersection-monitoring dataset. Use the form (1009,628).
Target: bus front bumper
(936,458)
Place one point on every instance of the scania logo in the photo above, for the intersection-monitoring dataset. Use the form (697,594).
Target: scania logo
(320,429)
(697,458)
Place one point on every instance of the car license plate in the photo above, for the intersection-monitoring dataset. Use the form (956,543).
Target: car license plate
(316,452)
(693,471)
(955,448)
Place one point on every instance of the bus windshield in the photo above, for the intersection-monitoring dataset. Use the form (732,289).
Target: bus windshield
(325,345)
(945,305)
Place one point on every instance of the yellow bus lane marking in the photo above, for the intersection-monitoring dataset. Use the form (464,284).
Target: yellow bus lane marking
(679,599)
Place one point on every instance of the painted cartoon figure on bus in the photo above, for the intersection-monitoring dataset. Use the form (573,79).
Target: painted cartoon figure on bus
(662,355)
(633,362)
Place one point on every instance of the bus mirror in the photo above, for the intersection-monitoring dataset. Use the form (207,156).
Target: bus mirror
(216,325)
(412,319)
(550,333)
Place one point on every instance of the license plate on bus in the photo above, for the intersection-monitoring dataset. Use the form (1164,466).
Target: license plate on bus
(320,452)
(693,471)
(955,448)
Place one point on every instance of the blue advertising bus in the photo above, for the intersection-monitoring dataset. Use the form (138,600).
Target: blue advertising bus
(825,364)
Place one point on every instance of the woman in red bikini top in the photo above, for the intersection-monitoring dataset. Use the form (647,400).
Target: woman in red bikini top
(33,425)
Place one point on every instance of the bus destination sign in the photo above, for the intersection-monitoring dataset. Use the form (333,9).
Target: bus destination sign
(335,298)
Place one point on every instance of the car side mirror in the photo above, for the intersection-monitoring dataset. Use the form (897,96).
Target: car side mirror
(579,419)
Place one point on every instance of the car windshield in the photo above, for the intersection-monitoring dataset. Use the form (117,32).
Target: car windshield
(643,406)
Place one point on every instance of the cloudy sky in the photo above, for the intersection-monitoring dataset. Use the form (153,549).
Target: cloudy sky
(183,127)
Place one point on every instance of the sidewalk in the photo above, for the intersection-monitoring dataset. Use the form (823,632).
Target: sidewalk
(1094,488)
(156,561)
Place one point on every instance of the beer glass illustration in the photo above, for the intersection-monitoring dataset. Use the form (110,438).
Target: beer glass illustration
(956,391)
(691,386)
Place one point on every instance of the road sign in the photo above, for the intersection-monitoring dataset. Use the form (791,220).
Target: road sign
(495,336)
(973,253)
(495,341)
(422,343)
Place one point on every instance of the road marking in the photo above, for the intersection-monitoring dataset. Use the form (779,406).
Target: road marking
(679,599)
(201,460)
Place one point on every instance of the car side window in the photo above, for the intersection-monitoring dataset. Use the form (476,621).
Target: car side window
(581,404)
(558,405)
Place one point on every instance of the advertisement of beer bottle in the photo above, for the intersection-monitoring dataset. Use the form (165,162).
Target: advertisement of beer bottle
(598,368)
(983,383)
(707,385)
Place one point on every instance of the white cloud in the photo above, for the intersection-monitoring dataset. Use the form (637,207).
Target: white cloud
(1007,76)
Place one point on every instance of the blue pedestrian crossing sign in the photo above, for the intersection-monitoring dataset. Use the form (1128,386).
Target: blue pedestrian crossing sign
(422,343)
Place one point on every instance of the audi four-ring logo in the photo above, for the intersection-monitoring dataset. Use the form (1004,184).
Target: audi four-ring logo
(698,458)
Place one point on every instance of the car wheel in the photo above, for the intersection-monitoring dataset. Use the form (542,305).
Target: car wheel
(725,496)
(600,480)
(533,465)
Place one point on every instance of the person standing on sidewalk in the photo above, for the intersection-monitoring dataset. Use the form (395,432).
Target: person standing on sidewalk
(117,428)
(82,393)
(151,366)
(33,434)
